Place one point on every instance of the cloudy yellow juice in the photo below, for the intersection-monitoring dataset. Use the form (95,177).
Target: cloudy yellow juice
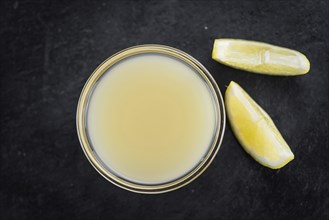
(151,118)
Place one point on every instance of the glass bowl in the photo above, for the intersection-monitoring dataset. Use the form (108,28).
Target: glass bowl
(100,166)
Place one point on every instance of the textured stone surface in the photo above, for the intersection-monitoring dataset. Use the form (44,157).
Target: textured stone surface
(48,50)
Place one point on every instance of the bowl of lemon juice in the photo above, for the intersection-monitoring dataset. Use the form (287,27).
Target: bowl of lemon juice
(150,119)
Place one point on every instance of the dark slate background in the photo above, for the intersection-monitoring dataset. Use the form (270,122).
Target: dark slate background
(48,49)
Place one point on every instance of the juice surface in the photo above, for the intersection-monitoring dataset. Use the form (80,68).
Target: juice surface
(151,118)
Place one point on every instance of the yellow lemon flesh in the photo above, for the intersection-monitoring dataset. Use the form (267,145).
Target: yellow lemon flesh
(255,130)
(260,57)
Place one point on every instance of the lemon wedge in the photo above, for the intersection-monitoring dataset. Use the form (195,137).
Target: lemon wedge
(255,130)
(260,57)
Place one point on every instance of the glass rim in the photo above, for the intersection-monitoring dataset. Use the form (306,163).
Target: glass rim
(96,161)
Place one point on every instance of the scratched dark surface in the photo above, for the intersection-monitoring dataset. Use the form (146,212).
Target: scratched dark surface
(49,48)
